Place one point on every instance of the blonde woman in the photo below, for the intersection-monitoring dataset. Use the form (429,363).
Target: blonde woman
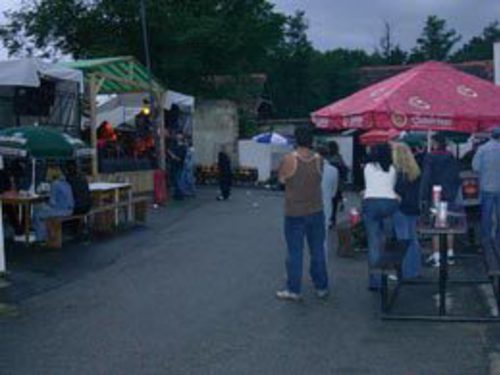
(405,219)
(61,203)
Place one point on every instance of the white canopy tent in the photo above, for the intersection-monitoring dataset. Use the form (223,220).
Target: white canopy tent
(28,73)
(118,109)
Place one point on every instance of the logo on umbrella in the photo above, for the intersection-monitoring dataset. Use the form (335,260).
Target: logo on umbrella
(467,91)
(417,102)
(377,92)
(399,119)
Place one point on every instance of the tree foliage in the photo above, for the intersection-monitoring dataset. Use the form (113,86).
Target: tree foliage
(189,39)
(435,42)
(192,41)
(291,69)
(389,52)
(480,47)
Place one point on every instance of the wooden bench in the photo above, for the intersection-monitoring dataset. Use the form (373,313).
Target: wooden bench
(54,228)
(491,258)
(55,224)
(390,262)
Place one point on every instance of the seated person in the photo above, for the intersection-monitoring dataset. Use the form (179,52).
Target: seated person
(61,203)
(11,213)
(79,187)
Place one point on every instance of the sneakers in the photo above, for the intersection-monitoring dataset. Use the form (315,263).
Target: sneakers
(451,256)
(434,259)
(392,277)
(286,295)
(322,293)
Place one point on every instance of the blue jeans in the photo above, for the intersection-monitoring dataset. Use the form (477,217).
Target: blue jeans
(406,229)
(490,204)
(42,212)
(311,227)
(377,217)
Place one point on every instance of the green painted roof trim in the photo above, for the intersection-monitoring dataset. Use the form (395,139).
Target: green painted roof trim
(122,67)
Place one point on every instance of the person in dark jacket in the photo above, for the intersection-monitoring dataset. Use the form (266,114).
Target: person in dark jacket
(177,154)
(442,169)
(225,175)
(79,187)
(405,219)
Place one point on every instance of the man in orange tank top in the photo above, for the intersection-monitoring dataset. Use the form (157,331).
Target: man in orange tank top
(301,172)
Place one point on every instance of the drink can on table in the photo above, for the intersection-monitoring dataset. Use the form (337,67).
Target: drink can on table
(436,195)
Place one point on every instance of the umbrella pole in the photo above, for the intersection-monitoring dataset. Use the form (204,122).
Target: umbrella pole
(428,140)
(33,176)
(3,268)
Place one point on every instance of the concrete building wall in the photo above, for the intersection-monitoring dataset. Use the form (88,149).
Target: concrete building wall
(216,125)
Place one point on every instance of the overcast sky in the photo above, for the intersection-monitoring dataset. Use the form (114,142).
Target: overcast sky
(360,23)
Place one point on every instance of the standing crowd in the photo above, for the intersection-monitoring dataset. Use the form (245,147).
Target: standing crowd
(399,185)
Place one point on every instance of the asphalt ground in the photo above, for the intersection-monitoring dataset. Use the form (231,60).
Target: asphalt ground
(193,293)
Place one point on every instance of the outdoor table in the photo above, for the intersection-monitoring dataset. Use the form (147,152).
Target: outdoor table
(99,189)
(456,224)
(26,202)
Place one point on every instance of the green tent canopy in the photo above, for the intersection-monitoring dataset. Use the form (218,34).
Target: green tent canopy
(121,74)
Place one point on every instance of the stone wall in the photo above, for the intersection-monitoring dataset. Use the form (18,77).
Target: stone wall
(216,126)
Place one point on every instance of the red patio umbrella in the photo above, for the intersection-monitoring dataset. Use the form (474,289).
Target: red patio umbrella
(376,136)
(430,96)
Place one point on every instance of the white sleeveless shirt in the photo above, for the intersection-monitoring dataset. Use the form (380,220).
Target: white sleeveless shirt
(379,184)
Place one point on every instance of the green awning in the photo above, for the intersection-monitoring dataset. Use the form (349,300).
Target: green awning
(123,74)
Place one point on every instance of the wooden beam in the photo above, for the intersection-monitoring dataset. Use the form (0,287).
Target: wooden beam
(125,81)
(93,90)
(161,131)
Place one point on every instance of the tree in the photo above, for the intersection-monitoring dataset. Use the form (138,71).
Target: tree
(290,76)
(388,52)
(435,42)
(480,47)
(190,39)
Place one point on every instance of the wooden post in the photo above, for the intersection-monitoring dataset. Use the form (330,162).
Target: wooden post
(161,131)
(93,90)
(3,268)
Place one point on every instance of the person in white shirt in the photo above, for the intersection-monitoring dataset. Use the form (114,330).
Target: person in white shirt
(380,203)
(329,186)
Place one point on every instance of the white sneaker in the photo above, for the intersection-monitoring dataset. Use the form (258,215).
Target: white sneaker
(392,277)
(322,293)
(433,260)
(451,257)
(286,295)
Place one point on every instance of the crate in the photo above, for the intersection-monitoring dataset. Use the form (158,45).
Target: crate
(352,239)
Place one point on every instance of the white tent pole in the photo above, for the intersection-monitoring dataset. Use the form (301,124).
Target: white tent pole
(33,176)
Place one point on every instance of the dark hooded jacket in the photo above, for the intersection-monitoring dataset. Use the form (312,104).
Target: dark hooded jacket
(440,168)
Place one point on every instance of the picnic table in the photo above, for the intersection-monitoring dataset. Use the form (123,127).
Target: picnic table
(26,202)
(456,225)
(112,192)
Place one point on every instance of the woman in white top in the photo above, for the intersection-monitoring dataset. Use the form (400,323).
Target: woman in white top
(380,202)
